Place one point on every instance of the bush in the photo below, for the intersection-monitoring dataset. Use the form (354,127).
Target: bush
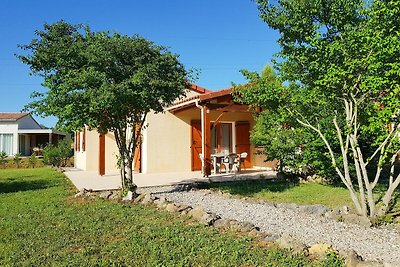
(17,159)
(3,159)
(59,155)
(32,160)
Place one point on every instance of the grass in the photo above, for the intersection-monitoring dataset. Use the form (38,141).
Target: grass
(41,224)
(282,191)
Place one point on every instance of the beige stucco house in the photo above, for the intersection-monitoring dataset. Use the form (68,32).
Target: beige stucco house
(204,123)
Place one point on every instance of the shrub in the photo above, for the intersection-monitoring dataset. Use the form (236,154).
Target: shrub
(32,160)
(3,160)
(57,155)
(17,159)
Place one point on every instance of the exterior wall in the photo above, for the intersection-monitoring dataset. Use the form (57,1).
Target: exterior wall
(89,159)
(111,152)
(166,142)
(28,122)
(11,128)
(80,156)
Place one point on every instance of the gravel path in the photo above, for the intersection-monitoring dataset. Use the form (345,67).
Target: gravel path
(370,243)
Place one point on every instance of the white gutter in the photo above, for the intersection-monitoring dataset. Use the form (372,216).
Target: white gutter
(202,135)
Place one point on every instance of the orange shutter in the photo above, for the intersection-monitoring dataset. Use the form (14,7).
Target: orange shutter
(84,139)
(78,141)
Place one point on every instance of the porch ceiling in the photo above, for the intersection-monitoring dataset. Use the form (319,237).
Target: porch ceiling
(40,131)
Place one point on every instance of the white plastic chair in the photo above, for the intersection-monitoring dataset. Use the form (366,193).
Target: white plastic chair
(242,157)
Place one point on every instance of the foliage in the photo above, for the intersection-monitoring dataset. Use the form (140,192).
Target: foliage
(53,228)
(298,152)
(341,84)
(3,158)
(23,164)
(332,259)
(57,155)
(32,160)
(109,82)
(17,159)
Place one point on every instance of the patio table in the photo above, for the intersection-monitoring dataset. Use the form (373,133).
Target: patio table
(217,158)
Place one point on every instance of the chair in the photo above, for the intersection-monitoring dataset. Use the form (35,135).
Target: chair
(242,157)
(229,161)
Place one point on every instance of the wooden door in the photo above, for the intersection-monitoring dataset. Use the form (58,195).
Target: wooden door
(243,141)
(196,145)
(137,158)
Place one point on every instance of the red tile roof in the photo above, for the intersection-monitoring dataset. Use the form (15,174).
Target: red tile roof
(202,98)
(216,94)
(199,89)
(12,116)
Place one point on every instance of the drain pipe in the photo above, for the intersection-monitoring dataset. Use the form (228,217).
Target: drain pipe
(202,135)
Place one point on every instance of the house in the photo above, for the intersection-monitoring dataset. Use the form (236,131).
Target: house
(204,123)
(20,133)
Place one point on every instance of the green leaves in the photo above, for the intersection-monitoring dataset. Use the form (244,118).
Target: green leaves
(98,78)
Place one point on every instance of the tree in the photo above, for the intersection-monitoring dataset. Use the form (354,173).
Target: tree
(339,63)
(272,130)
(109,82)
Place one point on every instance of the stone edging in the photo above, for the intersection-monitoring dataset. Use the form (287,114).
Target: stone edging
(286,241)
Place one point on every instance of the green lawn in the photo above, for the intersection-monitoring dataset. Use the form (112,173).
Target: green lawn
(41,224)
(280,191)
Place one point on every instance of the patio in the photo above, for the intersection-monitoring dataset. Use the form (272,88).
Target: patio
(93,181)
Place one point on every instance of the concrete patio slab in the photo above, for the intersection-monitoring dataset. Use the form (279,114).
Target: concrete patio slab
(91,180)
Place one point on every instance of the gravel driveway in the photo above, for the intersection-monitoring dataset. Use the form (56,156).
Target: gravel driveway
(371,243)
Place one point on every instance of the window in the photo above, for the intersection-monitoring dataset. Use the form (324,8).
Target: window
(6,143)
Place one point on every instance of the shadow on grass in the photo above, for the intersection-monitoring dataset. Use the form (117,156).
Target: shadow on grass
(254,186)
(13,185)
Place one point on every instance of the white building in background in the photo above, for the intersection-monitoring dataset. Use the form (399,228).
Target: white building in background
(20,133)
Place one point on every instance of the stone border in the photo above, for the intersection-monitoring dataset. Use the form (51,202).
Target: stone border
(286,241)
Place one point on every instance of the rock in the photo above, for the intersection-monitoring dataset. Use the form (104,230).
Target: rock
(356,219)
(389,264)
(128,197)
(171,207)
(203,217)
(319,251)
(270,237)
(161,202)
(209,218)
(115,195)
(318,210)
(222,224)
(288,242)
(351,258)
(344,210)
(185,212)
(197,213)
(255,233)
(183,207)
(81,193)
(105,194)
(369,264)
(245,227)
(139,198)
(148,199)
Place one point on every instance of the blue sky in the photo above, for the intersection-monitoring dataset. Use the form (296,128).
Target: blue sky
(217,37)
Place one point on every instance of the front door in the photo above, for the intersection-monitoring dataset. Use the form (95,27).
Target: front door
(221,138)
(196,145)
(243,141)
